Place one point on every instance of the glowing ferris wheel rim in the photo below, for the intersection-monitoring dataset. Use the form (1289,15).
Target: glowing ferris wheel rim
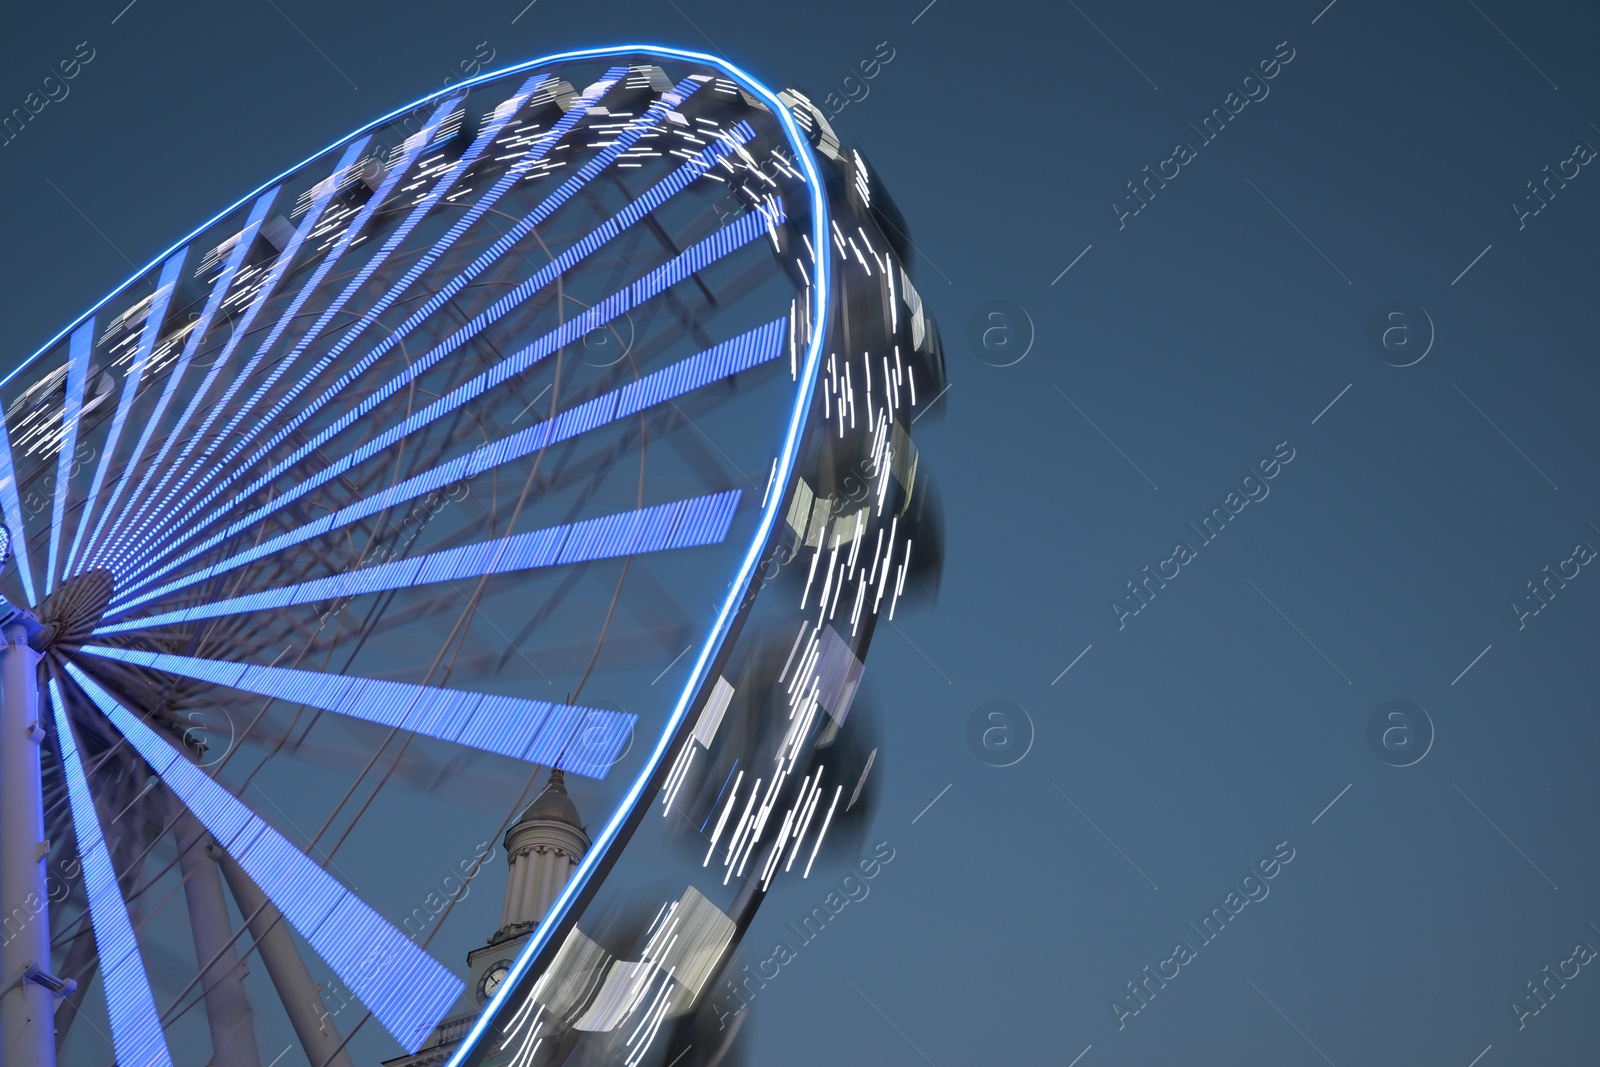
(782,470)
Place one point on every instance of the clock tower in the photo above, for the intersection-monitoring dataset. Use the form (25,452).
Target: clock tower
(543,847)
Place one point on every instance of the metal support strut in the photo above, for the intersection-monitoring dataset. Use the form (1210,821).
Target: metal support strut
(308,1014)
(228,1012)
(27,1003)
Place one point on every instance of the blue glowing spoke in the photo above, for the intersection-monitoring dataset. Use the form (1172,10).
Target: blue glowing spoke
(491,129)
(326,190)
(625,140)
(407,990)
(154,317)
(324,194)
(583,740)
(620,144)
(702,520)
(135,1026)
(197,333)
(412,148)
(696,258)
(572,185)
(761,345)
(573,115)
(77,373)
(11,507)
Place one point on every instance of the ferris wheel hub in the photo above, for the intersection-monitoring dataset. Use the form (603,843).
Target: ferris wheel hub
(70,614)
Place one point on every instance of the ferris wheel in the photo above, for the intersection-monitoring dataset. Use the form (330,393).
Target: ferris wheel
(502,434)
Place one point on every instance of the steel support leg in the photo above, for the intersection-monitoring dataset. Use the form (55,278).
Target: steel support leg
(310,1017)
(228,1012)
(27,1009)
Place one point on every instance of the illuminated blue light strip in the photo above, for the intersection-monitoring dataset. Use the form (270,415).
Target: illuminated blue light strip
(819,295)
(761,345)
(625,140)
(653,198)
(620,144)
(11,505)
(77,372)
(498,119)
(697,257)
(325,191)
(328,189)
(700,520)
(491,129)
(533,730)
(197,333)
(406,989)
(161,300)
(417,144)
(135,1026)
(414,147)
(579,111)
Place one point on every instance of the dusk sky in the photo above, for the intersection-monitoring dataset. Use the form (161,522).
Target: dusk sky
(1267,468)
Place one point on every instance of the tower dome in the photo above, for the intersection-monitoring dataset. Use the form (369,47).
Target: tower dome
(543,847)
(551,805)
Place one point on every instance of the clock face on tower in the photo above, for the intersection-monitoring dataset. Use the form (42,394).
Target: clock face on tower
(492,979)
